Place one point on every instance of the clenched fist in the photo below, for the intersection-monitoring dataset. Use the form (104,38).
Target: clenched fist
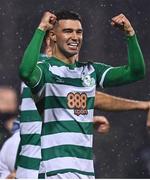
(148,119)
(122,22)
(101,124)
(47,22)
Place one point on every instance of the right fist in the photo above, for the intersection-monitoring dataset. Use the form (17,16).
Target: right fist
(47,22)
(122,22)
(101,124)
(148,119)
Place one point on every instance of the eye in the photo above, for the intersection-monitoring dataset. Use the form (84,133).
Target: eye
(67,30)
(80,31)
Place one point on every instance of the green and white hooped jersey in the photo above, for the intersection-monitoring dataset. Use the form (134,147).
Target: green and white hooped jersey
(65,98)
(29,155)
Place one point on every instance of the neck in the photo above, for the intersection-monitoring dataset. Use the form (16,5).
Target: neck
(48,51)
(68,60)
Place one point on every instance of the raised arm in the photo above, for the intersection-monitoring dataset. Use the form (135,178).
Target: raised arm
(112,103)
(29,72)
(135,70)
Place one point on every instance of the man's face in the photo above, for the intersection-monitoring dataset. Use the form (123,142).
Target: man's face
(8,101)
(69,35)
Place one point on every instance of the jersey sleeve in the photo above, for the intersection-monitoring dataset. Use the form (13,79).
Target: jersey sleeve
(38,90)
(101,70)
(133,71)
(29,70)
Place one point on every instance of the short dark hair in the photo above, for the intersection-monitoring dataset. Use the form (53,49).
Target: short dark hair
(65,14)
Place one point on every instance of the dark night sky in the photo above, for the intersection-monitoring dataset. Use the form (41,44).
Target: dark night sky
(122,152)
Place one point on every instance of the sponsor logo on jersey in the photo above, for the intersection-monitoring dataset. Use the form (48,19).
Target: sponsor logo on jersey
(78,102)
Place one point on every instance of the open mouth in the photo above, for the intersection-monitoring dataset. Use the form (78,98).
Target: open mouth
(73,45)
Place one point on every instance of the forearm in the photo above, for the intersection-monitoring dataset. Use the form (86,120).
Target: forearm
(111,103)
(31,55)
(135,58)
(135,70)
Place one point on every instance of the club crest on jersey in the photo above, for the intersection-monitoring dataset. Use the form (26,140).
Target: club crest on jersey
(87,80)
(77,102)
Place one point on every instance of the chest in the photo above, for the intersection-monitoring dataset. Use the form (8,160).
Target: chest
(81,77)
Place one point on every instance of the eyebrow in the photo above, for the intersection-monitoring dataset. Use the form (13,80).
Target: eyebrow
(70,29)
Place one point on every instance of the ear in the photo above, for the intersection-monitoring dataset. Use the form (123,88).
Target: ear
(52,35)
(48,41)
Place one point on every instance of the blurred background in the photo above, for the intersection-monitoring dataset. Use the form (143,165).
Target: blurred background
(125,151)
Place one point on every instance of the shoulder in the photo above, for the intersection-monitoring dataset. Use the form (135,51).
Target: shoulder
(88,63)
(11,144)
(101,67)
(44,64)
(94,64)
(13,140)
(42,58)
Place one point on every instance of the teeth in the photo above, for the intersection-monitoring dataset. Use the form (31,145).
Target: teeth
(73,44)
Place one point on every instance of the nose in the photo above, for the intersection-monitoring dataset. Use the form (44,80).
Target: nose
(74,36)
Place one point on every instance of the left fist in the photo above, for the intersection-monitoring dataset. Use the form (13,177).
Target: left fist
(122,22)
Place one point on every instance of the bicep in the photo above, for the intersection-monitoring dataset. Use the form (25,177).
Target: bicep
(100,71)
(35,77)
(118,76)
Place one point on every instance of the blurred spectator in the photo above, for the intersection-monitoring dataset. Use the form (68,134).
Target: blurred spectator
(8,125)
(8,112)
(8,155)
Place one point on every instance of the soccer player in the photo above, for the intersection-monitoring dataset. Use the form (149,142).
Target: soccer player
(64,92)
